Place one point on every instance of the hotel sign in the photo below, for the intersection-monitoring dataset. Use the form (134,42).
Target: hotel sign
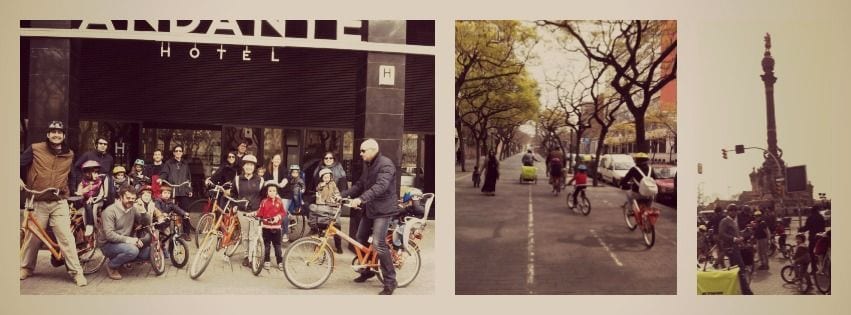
(323,34)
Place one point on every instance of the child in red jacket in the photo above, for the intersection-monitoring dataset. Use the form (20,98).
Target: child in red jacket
(272,213)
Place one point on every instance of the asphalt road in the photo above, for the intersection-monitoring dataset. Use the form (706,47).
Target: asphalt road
(524,240)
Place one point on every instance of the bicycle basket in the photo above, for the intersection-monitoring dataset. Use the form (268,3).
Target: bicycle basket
(320,215)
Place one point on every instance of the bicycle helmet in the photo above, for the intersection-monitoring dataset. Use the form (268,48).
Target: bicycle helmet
(166,187)
(249,158)
(295,167)
(325,171)
(89,165)
(640,155)
(582,167)
(413,193)
(757,213)
(56,125)
(144,188)
(139,162)
(270,182)
(118,169)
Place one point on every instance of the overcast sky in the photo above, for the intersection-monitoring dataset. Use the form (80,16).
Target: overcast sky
(729,103)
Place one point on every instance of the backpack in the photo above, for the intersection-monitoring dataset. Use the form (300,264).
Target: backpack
(527,159)
(647,186)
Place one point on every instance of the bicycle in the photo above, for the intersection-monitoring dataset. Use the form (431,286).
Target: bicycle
(255,244)
(90,256)
(224,234)
(642,216)
(414,227)
(157,255)
(822,256)
(796,274)
(558,184)
(177,248)
(315,252)
(584,203)
(210,209)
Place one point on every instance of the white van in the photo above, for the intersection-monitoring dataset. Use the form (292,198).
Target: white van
(613,167)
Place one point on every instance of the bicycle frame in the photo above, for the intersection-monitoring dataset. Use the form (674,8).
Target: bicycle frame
(644,215)
(225,224)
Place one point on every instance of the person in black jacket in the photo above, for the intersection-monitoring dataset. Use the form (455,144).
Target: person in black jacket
(99,155)
(815,224)
(226,172)
(635,175)
(376,190)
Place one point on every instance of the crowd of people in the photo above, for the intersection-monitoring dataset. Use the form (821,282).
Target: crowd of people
(125,201)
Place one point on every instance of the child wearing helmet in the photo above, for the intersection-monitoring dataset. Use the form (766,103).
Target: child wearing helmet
(167,205)
(119,178)
(580,181)
(327,193)
(136,176)
(271,213)
(93,190)
(411,206)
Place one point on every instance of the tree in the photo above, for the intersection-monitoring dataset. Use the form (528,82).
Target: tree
(502,101)
(605,107)
(668,120)
(486,51)
(636,51)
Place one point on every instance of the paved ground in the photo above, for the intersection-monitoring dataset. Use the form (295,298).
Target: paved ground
(224,277)
(524,240)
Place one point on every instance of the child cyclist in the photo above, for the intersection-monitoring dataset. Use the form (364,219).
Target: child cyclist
(580,180)
(272,213)
(802,257)
(327,193)
(167,205)
(93,188)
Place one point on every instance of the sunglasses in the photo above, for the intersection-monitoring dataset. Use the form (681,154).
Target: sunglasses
(178,150)
(329,158)
(231,156)
(362,151)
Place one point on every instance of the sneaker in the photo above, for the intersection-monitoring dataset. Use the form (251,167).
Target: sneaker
(89,230)
(25,273)
(339,250)
(266,265)
(285,238)
(80,279)
(112,273)
(365,276)
(387,291)
(281,266)
(245,261)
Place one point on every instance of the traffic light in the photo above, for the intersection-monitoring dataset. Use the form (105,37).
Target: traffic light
(740,148)
(700,168)
(779,187)
(724,153)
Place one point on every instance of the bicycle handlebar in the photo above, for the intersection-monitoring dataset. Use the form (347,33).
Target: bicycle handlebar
(55,191)
(188,183)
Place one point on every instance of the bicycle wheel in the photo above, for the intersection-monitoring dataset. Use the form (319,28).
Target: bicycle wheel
(631,224)
(772,249)
(179,251)
(407,264)
(802,281)
(199,206)
(297,227)
(649,233)
(822,277)
(157,259)
(203,256)
(308,263)
(205,223)
(788,274)
(584,205)
(91,260)
(236,239)
(257,258)
(786,250)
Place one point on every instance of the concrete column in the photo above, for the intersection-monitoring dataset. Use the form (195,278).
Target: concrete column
(381,105)
(53,84)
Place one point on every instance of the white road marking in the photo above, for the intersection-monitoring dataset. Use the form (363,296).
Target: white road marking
(612,254)
(530,248)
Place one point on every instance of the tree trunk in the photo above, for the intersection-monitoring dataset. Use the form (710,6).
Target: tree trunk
(600,143)
(640,136)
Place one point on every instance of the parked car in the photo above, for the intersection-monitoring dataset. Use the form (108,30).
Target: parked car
(613,167)
(665,180)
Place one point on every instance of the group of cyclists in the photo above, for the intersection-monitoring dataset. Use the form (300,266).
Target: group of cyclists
(633,181)
(745,235)
(160,188)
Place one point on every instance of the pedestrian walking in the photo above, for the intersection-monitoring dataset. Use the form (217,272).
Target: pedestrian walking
(491,175)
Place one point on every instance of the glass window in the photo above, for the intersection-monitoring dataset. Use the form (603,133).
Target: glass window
(273,143)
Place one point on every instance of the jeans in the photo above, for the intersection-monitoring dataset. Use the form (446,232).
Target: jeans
(377,228)
(122,253)
(91,210)
(735,256)
(55,215)
(576,193)
(285,223)
(272,237)
(762,249)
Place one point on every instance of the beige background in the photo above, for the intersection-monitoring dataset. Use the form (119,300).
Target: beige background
(694,18)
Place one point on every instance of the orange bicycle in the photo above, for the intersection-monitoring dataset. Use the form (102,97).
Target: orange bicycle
(225,234)
(642,214)
(309,262)
(91,258)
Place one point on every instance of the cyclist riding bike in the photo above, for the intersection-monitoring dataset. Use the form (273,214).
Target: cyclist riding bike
(556,171)
(529,158)
(580,181)
(634,178)
(46,165)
